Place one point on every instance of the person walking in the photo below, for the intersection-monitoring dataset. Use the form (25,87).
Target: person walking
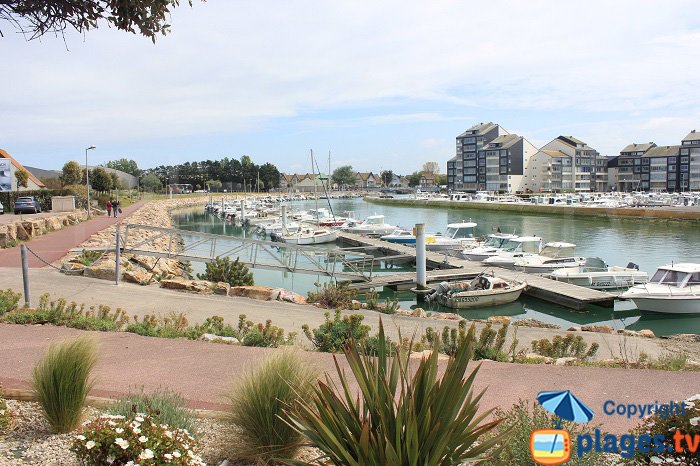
(108,206)
(115,207)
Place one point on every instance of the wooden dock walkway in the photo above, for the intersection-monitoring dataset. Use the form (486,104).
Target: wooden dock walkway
(448,268)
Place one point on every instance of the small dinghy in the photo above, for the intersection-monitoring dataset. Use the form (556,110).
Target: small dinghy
(482,291)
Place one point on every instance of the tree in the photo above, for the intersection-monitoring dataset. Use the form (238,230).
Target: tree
(387,176)
(151,183)
(36,18)
(72,173)
(270,176)
(440,180)
(214,185)
(431,167)
(100,180)
(127,166)
(344,176)
(116,181)
(414,179)
(22,178)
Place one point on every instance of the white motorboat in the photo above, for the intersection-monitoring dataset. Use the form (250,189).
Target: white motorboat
(492,246)
(553,256)
(484,290)
(516,246)
(373,225)
(596,274)
(456,236)
(278,227)
(310,236)
(674,289)
(400,236)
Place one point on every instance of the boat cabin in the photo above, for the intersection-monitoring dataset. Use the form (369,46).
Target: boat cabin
(677,275)
(558,249)
(529,244)
(460,230)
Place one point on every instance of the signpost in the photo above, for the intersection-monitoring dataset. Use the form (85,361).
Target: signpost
(5,175)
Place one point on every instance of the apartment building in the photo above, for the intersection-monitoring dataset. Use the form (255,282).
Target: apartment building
(502,164)
(462,169)
(624,174)
(567,164)
(689,163)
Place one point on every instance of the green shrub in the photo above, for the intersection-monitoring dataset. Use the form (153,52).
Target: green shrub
(333,335)
(489,345)
(87,258)
(667,422)
(61,313)
(9,300)
(401,417)
(569,346)
(388,307)
(172,325)
(669,361)
(520,420)
(332,295)
(224,270)
(139,438)
(166,406)
(257,404)
(62,380)
(5,417)
(214,325)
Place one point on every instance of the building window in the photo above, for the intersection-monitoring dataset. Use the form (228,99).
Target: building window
(671,160)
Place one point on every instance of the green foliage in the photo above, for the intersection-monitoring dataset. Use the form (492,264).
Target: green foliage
(100,180)
(22,177)
(234,273)
(569,346)
(167,407)
(401,417)
(386,176)
(669,361)
(257,404)
(666,422)
(214,185)
(151,183)
(87,258)
(9,301)
(5,417)
(344,176)
(520,421)
(388,307)
(332,295)
(125,165)
(62,380)
(414,179)
(489,345)
(72,173)
(172,325)
(333,335)
(139,438)
(61,313)
(43,196)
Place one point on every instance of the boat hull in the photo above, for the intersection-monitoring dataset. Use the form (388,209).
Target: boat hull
(304,239)
(601,280)
(668,304)
(477,299)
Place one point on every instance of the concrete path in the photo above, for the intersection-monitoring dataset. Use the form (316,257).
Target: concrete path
(202,372)
(53,246)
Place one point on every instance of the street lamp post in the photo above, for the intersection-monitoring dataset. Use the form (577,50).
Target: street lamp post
(87,178)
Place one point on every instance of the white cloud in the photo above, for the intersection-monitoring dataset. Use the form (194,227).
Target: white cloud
(230,67)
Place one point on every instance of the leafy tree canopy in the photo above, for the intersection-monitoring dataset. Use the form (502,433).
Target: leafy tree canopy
(100,180)
(387,176)
(151,183)
(125,165)
(72,173)
(431,167)
(344,176)
(22,178)
(35,18)
(414,179)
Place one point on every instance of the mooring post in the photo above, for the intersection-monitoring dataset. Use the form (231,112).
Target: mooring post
(118,257)
(420,257)
(242,211)
(25,273)
(284,219)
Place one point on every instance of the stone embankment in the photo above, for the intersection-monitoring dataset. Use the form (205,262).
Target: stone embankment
(26,229)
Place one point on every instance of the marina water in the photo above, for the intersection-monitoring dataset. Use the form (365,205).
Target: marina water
(646,242)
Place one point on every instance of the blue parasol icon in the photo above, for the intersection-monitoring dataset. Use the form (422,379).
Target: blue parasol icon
(565,405)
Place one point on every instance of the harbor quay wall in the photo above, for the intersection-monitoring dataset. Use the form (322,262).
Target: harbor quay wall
(657,213)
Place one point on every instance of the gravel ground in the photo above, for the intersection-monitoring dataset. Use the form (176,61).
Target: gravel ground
(29,441)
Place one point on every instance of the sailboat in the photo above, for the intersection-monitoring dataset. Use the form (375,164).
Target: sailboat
(309,235)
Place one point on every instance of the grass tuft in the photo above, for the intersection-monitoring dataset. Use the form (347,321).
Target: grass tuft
(62,380)
(165,405)
(257,405)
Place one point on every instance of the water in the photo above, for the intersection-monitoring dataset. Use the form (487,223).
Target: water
(648,243)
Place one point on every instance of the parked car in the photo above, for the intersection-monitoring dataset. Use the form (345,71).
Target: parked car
(2,209)
(27,205)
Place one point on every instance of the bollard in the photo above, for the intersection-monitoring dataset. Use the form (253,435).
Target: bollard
(242,212)
(118,257)
(420,257)
(25,273)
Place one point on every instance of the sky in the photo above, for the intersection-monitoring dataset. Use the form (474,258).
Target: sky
(381,85)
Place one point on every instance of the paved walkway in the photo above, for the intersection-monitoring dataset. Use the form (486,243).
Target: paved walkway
(53,246)
(202,372)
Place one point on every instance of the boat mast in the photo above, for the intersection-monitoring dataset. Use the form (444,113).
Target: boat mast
(325,191)
(313,178)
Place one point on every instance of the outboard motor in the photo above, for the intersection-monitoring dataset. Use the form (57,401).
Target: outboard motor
(441,289)
(632,265)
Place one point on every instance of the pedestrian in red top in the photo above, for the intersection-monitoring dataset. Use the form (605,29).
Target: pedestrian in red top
(109,208)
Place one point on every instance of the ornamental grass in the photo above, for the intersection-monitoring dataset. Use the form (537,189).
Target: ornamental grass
(62,380)
(257,407)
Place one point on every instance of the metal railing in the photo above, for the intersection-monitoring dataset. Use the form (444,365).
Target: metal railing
(348,264)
